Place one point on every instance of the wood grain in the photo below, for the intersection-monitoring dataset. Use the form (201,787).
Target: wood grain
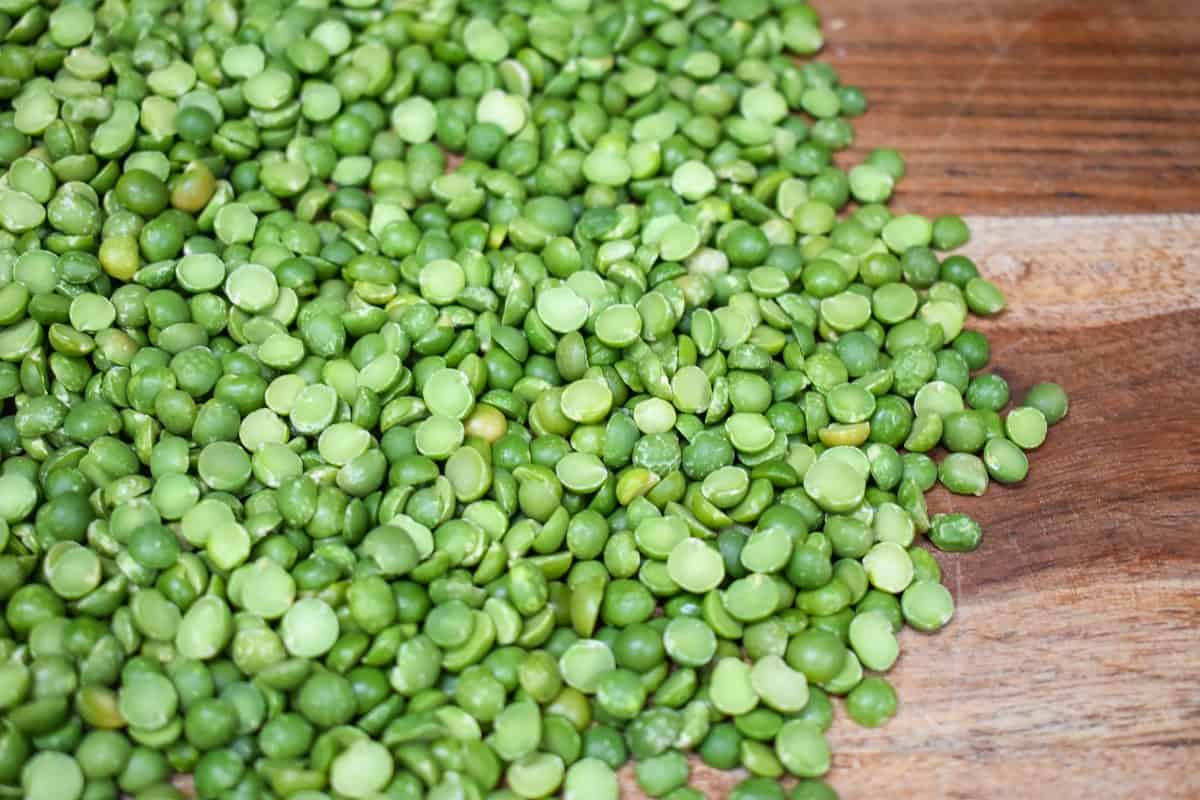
(1028,106)
(1101,270)
(1071,668)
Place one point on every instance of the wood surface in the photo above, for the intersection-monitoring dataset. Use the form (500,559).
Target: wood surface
(1071,130)
(1029,106)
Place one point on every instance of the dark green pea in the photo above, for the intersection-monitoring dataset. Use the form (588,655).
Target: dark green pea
(142,193)
(973,347)
(963,432)
(1050,399)
(955,532)
(959,270)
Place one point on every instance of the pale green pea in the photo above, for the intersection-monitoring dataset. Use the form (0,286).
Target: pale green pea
(537,775)
(441,281)
(36,109)
(19,212)
(309,628)
(1005,461)
(252,288)
(501,109)
(269,89)
(870,184)
(874,641)
(51,775)
(590,779)
(763,103)
(174,80)
(581,473)
(802,36)
(725,487)
(1026,427)
(438,436)
(894,302)
(202,519)
(586,401)
(484,41)
(846,311)
(770,282)
(731,689)
(984,297)
(678,241)
(584,662)
(850,676)
(71,25)
(820,101)
(517,730)
(362,769)
(702,65)
(695,566)
(562,309)
(282,392)
(414,119)
(243,61)
(342,442)
(200,272)
(228,545)
(92,312)
(71,570)
(235,223)
(691,390)
(18,497)
(905,231)
(938,397)
(260,428)
(273,589)
(654,415)
(780,687)
(749,432)
(606,167)
(802,749)
(657,537)
(752,598)
(205,629)
(381,374)
(333,35)
(280,351)
(950,316)
(852,457)
(893,524)
(693,180)
(447,392)
(888,567)
(313,408)
(689,641)
(734,326)
(767,551)
(834,485)
(927,605)
(963,473)
(618,325)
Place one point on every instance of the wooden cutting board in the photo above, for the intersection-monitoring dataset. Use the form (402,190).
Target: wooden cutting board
(1071,130)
